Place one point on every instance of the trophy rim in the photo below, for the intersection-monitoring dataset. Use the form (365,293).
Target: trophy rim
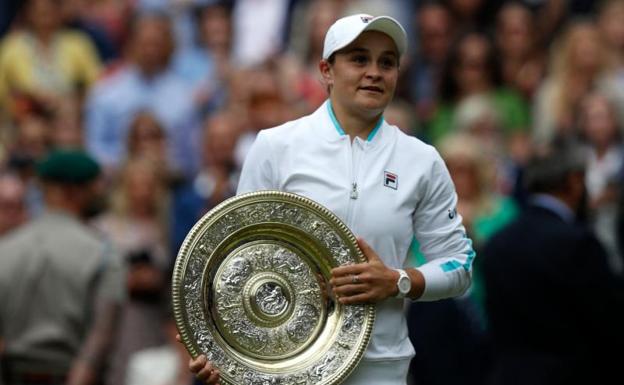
(184,254)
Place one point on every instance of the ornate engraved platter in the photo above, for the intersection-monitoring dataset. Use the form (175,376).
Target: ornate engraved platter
(251,291)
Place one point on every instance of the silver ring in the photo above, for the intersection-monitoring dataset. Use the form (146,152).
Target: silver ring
(355,279)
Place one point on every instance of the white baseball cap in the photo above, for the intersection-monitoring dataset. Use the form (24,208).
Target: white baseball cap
(347,29)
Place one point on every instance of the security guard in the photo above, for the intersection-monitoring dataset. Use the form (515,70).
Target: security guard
(60,285)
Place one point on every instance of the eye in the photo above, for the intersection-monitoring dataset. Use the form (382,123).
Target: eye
(388,63)
(359,59)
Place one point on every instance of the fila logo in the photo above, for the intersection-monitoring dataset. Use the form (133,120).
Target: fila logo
(391,180)
(366,19)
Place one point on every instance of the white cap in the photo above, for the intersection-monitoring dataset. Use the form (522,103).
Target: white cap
(346,30)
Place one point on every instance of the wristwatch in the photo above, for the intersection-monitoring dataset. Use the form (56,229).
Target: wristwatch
(404,284)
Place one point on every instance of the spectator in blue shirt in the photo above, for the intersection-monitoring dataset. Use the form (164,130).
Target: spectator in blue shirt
(146,83)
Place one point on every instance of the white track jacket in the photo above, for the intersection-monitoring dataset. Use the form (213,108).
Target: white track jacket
(387,189)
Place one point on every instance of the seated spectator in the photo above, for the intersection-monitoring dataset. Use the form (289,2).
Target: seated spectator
(471,68)
(299,65)
(602,136)
(523,62)
(264,100)
(483,209)
(147,139)
(30,144)
(206,64)
(136,226)
(609,22)
(216,181)
(435,33)
(44,61)
(477,116)
(580,63)
(147,83)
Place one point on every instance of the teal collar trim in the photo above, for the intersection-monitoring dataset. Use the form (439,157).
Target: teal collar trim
(374,131)
(341,132)
(333,119)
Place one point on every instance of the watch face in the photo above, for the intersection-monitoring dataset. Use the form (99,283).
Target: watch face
(405,285)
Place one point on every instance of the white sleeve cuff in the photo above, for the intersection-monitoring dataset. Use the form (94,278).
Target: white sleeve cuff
(440,284)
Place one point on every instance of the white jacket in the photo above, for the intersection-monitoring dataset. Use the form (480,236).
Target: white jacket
(387,189)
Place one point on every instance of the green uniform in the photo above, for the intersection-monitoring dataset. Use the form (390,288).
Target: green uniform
(51,272)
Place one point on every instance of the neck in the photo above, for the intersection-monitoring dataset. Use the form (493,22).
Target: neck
(479,88)
(44,36)
(559,202)
(142,212)
(60,203)
(601,150)
(583,76)
(150,70)
(355,125)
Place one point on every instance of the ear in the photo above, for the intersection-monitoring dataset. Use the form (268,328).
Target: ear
(325,68)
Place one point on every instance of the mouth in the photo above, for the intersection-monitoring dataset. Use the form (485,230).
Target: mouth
(372,89)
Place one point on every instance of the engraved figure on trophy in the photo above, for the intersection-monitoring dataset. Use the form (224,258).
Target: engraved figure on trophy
(258,256)
(252,337)
(285,260)
(304,322)
(257,379)
(318,372)
(237,272)
(271,299)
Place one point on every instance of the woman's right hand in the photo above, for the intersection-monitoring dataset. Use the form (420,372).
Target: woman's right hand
(204,371)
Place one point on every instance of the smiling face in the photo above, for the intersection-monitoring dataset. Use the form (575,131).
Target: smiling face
(363,75)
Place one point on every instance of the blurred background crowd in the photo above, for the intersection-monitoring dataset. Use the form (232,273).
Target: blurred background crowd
(168,95)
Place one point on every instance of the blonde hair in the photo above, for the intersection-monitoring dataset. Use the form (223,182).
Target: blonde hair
(563,49)
(466,148)
(474,109)
(563,54)
(119,202)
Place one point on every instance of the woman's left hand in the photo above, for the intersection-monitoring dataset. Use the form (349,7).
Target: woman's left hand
(367,282)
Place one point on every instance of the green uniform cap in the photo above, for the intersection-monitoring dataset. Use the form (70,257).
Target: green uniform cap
(68,166)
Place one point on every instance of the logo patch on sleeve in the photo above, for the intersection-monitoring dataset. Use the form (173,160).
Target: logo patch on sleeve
(391,180)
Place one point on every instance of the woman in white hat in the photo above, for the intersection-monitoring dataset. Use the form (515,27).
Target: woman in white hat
(386,186)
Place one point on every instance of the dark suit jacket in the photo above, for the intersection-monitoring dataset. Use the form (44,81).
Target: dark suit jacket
(553,306)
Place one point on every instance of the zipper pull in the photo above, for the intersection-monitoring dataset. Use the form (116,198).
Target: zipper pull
(354,193)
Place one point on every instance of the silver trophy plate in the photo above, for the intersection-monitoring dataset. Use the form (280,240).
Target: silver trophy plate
(251,291)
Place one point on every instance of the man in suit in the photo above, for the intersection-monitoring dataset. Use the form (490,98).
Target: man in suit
(552,303)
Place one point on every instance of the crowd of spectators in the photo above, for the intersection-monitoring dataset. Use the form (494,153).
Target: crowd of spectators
(168,95)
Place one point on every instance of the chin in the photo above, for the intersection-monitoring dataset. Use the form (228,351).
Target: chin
(377,105)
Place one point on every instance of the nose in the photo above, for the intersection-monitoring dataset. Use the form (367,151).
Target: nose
(373,72)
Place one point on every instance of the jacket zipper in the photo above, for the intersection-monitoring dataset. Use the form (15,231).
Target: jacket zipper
(354,192)
(355,157)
